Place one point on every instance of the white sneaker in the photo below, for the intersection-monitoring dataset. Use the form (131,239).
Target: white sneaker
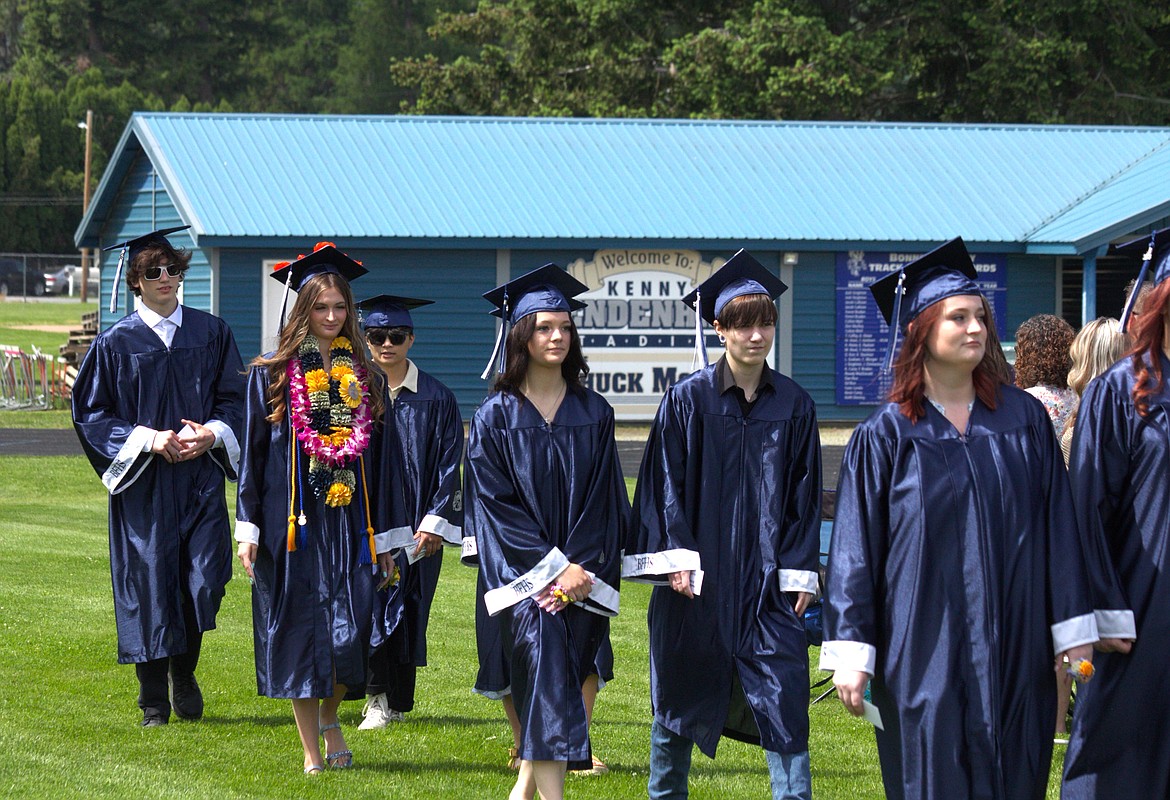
(375,713)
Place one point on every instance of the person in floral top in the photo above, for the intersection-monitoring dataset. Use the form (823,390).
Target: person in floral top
(1042,365)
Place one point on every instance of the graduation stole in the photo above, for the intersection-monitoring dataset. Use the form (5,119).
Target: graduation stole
(330,417)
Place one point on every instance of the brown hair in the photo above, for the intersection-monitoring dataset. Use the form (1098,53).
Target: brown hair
(1148,332)
(516,357)
(152,256)
(296,328)
(909,389)
(748,311)
(1042,352)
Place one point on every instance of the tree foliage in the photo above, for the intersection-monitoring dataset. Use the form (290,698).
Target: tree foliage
(1016,61)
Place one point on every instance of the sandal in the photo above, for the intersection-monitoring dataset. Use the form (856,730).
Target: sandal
(598,768)
(313,770)
(340,759)
(513,758)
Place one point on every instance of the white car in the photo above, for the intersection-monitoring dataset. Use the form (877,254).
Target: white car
(59,282)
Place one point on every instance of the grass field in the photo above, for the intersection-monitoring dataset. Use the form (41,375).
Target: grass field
(69,723)
(40,322)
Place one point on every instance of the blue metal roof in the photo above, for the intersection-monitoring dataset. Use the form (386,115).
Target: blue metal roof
(494,181)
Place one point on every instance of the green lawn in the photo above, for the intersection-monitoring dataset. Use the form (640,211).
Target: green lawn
(19,317)
(69,723)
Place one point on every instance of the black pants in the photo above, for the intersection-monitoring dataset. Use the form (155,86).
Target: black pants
(393,673)
(153,691)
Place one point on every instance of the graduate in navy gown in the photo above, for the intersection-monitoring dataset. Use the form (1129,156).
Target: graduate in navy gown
(546,505)
(727,523)
(956,581)
(420,450)
(303,516)
(1120,470)
(158,405)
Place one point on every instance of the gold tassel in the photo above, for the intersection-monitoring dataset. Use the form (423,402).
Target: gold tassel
(366,498)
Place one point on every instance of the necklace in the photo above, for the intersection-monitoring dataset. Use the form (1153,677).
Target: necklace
(556,403)
(330,416)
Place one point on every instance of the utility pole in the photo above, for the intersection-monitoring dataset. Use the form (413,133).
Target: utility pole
(88,125)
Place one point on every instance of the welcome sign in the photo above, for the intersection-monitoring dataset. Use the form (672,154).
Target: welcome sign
(637,335)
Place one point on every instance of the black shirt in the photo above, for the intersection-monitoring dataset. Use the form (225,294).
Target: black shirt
(727,383)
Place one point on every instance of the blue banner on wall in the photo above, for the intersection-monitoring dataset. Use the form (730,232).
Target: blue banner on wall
(862,334)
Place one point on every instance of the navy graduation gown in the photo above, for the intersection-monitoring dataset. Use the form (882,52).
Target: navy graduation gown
(312,608)
(739,499)
(539,497)
(169,530)
(1120,471)
(419,455)
(955,575)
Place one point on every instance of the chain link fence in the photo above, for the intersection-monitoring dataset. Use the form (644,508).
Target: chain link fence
(36,274)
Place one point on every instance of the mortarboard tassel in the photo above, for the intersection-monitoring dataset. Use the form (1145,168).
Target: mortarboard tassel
(292,492)
(896,320)
(1137,287)
(699,359)
(117,279)
(284,302)
(499,357)
(369,554)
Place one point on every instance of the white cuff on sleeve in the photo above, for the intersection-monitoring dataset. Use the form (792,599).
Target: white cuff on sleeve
(1075,631)
(470,553)
(842,654)
(393,539)
(227,440)
(124,470)
(247,532)
(1116,624)
(528,584)
(451,534)
(798,580)
(654,567)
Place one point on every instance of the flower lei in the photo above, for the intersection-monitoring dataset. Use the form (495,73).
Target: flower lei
(330,415)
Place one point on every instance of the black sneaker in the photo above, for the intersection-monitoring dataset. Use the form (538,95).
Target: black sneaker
(153,718)
(186,699)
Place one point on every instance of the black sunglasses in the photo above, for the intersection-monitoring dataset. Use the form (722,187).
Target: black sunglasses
(378,338)
(154,273)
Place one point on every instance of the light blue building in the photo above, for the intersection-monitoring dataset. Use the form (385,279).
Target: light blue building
(448,207)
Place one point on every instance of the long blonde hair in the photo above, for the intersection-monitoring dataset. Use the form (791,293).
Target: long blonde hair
(1098,346)
(293,334)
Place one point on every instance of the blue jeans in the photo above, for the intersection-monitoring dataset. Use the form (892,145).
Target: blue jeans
(670,764)
(791,776)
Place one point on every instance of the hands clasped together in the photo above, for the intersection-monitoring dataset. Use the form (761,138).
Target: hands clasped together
(571,586)
(186,445)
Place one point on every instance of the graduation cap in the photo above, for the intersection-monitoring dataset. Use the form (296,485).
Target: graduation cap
(131,248)
(946,271)
(548,288)
(325,258)
(740,275)
(1156,248)
(388,311)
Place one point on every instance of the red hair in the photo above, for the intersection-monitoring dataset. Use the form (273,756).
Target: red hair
(909,389)
(1149,333)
